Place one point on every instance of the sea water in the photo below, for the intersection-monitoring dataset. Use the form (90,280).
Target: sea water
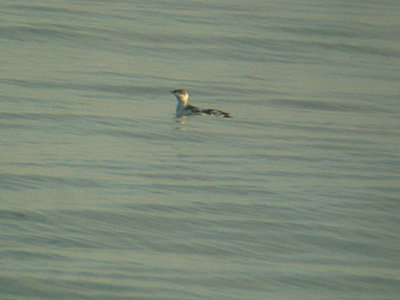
(104,194)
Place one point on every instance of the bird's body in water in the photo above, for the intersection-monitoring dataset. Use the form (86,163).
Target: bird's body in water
(184,108)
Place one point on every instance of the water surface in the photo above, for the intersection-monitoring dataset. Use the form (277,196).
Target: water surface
(105,195)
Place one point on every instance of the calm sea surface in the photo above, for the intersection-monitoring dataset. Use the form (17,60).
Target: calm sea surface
(105,195)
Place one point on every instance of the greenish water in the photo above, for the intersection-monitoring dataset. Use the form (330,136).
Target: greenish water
(105,195)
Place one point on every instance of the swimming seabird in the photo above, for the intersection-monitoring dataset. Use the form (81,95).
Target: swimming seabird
(184,108)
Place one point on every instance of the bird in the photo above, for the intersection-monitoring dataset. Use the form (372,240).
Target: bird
(185,108)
